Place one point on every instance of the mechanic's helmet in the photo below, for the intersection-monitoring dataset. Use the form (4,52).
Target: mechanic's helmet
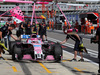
(71,31)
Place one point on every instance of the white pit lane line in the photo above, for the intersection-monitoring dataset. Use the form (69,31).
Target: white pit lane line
(72,46)
(84,58)
(92,53)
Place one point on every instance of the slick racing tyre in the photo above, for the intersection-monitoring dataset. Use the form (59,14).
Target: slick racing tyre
(16,51)
(57,52)
(32,55)
(11,44)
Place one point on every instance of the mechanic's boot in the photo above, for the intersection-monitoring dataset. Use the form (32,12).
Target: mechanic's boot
(99,72)
(3,51)
(73,59)
(82,60)
(1,58)
(2,44)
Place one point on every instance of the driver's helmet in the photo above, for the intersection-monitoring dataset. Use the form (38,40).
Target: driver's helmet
(70,31)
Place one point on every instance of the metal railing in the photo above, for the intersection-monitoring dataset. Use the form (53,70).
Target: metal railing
(39,7)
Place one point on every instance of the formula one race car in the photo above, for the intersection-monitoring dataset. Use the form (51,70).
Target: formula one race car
(37,49)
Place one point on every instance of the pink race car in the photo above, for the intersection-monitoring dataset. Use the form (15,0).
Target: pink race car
(37,49)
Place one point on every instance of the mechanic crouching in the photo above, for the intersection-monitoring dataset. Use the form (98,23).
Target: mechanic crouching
(4,31)
(74,36)
(96,39)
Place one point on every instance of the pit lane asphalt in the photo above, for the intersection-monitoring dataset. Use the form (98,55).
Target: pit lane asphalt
(30,67)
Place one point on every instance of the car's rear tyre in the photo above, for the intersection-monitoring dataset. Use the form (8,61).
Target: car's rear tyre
(11,44)
(57,52)
(17,51)
(13,56)
(32,55)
